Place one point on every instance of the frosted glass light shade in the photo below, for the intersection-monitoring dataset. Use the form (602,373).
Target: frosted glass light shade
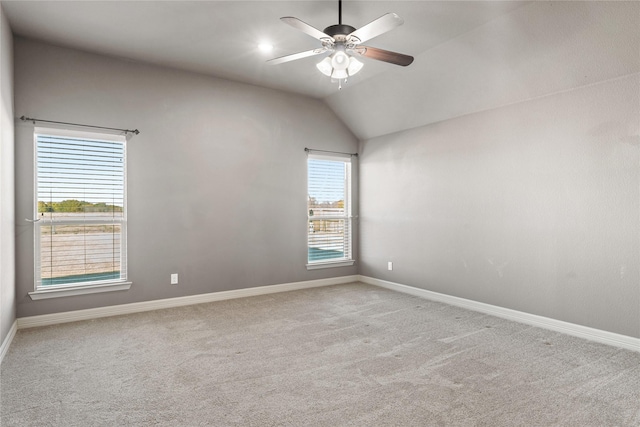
(354,66)
(325,66)
(340,60)
(339,74)
(339,65)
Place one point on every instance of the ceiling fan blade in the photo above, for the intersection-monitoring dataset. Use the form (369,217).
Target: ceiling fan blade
(379,26)
(384,55)
(295,56)
(306,28)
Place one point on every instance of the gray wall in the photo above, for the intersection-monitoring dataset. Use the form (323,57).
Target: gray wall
(7,217)
(216,178)
(533,206)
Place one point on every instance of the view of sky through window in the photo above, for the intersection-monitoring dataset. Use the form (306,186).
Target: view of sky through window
(327,180)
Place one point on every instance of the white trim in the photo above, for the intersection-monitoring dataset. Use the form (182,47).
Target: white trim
(592,334)
(4,348)
(113,135)
(347,239)
(79,290)
(84,288)
(320,265)
(137,307)
(333,156)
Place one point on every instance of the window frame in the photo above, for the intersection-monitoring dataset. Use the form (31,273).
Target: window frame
(348,217)
(87,287)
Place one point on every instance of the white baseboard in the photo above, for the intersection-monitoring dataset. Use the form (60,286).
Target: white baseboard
(591,334)
(137,307)
(4,348)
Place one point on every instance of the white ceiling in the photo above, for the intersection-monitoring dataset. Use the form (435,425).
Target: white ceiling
(469,56)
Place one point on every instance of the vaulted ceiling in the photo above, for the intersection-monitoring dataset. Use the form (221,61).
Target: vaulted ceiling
(469,56)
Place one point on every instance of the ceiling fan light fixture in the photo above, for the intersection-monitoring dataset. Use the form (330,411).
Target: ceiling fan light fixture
(339,74)
(340,60)
(325,66)
(341,68)
(354,66)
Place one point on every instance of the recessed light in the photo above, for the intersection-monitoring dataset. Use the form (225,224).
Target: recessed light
(265,47)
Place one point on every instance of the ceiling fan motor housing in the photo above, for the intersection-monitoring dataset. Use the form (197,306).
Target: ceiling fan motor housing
(338,30)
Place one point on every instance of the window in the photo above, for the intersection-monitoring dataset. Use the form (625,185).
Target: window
(329,211)
(80,231)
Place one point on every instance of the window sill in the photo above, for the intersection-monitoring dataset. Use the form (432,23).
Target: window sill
(79,290)
(319,265)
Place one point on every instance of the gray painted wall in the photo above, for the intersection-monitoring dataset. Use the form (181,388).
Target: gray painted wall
(533,206)
(7,209)
(216,178)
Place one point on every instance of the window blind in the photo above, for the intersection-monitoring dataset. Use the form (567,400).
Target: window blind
(329,208)
(81,202)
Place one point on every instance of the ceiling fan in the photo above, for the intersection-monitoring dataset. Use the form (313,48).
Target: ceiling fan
(343,42)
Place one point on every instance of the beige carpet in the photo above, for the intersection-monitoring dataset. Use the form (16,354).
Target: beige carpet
(348,355)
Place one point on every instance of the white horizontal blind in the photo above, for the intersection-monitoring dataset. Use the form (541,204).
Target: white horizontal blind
(329,209)
(81,205)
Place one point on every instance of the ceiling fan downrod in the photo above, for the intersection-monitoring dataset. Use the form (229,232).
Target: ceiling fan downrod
(338,29)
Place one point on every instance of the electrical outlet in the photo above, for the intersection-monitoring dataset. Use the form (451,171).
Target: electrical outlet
(390,266)
(174,278)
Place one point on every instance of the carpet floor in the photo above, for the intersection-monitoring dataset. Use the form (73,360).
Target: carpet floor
(347,355)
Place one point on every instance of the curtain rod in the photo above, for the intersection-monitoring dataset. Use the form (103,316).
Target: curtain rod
(29,119)
(308,150)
